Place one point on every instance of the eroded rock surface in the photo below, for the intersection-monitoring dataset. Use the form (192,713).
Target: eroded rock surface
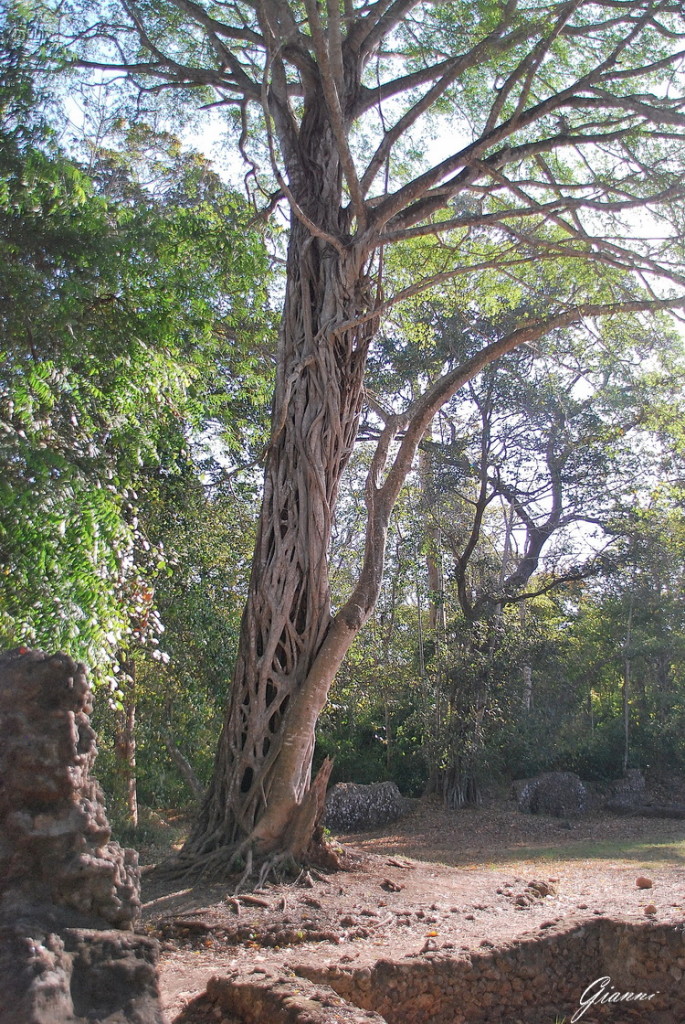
(351,807)
(63,883)
(560,794)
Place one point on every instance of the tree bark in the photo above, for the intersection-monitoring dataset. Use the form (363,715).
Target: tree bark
(184,766)
(290,646)
(436,596)
(125,741)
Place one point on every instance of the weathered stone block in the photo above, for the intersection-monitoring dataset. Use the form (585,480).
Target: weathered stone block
(351,807)
(560,794)
(78,976)
(56,838)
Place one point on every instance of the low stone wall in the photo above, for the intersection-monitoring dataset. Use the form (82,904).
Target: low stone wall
(593,967)
(534,980)
(264,997)
(650,957)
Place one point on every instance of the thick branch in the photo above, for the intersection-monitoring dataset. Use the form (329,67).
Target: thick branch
(382,496)
(330,91)
(425,408)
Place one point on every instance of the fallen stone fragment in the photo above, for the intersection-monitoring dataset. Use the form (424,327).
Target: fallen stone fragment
(391,886)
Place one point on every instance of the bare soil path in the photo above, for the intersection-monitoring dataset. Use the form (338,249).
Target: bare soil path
(434,880)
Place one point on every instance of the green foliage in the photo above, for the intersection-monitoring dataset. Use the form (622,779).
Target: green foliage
(132,311)
(207,529)
(134,341)
(372,725)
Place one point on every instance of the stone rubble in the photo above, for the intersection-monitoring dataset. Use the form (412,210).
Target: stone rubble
(559,794)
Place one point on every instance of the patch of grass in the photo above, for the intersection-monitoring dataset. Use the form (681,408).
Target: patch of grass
(156,835)
(653,853)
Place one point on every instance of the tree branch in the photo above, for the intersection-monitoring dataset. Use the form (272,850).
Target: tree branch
(452,69)
(425,408)
(381,496)
(327,78)
(382,19)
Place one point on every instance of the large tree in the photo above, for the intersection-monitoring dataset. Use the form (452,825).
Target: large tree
(561,127)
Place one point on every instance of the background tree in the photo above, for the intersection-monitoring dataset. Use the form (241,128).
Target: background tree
(206,527)
(567,119)
(521,477)
(639,670)
(111,312)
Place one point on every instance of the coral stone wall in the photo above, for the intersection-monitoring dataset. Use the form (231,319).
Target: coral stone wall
(534,980)
(64,885)
(54,835)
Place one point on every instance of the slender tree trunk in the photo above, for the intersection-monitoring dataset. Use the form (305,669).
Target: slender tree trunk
(527,670)
(125,742)
(185,768)
(625,695)
(436,596)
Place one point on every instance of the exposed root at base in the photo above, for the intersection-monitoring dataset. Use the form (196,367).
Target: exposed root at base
(253,870)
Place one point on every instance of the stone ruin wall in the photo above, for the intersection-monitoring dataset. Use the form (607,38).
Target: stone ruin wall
(64,885)
(535,980)
(69,902)
(532,980)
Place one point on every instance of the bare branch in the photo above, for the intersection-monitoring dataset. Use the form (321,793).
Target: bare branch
(527,70)
(408,197)
(217,28)
(452,69)
(381,20)
(496,40)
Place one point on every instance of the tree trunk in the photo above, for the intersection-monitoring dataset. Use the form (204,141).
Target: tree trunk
(125,741)
(625,689)
(436,594)
(290,647)
(185,768)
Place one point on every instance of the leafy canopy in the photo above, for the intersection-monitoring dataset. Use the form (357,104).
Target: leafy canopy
(116,298)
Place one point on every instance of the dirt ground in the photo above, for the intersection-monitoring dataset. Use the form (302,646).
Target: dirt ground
(435,880)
